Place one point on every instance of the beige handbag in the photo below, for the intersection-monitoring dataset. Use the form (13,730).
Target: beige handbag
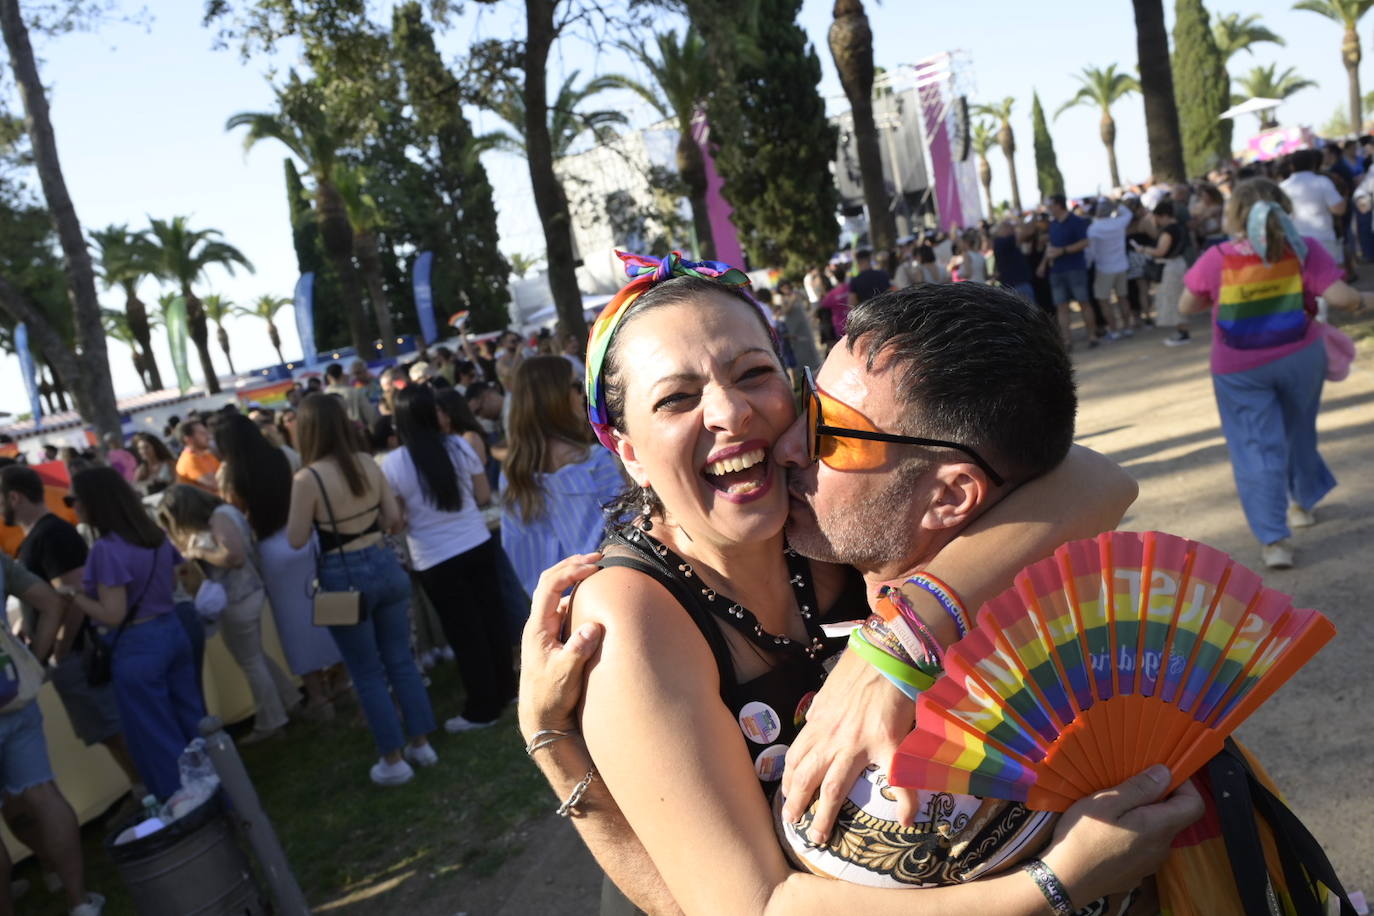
(335,609)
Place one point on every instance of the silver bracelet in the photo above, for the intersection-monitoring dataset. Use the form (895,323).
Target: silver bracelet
(1055,893)
(569,807)
(544,737)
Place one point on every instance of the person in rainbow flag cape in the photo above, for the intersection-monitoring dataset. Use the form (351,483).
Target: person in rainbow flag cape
(717,622)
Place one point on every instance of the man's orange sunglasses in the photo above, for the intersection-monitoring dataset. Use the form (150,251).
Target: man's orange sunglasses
(860,446)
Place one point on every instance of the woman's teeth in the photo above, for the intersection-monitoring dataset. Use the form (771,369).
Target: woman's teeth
(737,463)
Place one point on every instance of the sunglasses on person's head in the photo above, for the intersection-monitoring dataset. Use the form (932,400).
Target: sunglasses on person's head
(69,501)
(859,445)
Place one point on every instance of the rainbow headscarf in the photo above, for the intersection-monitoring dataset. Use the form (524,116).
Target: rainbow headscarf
(644,273)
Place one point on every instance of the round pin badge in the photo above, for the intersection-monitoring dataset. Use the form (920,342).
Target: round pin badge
(799,716)
(759,722)
(770,762)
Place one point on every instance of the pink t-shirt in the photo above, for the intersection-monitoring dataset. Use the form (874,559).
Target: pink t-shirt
(1203,280)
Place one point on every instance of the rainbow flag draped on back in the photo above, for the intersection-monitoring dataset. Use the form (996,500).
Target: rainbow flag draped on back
(1260,305)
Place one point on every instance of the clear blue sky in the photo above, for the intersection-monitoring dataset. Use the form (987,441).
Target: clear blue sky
(139,117)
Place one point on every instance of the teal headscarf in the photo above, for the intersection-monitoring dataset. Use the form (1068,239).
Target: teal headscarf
(1255,231)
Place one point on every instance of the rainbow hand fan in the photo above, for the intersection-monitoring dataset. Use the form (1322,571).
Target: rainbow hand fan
(1116,653)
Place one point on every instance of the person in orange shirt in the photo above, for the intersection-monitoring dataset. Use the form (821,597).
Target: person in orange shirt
(197,464)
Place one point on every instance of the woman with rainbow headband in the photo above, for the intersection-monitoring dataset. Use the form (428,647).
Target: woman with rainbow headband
(1268,358)
(714,639)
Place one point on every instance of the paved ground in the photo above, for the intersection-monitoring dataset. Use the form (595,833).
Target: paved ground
(1151,408)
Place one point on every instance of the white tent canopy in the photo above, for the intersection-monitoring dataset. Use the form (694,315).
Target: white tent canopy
(1251,106)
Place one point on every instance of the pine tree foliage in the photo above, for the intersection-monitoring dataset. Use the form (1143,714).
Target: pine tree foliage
(1047,174)
(1202,89)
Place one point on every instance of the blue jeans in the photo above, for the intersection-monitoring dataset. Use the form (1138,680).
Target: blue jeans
(1070,286)
(23,750)
(1364,231)
(1269,416)
(376,651)
(159,699)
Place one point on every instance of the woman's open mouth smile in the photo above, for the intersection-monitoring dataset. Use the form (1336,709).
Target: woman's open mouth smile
(740,473)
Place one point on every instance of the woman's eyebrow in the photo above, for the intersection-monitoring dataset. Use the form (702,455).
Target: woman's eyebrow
(677,377)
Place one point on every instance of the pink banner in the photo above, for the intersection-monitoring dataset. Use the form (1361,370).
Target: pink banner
(717,208)
(949,209)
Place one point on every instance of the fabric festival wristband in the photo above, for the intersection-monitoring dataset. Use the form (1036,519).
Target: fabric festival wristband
(892,638)
(910,680)
(948,599)
(909,626)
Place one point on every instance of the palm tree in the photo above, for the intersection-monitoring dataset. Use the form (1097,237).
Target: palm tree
(218,308)
(1348,14)
(851,46)
(125,259)
(521,264)
(266,307)
(566,122)
(1001,114)
(181,256)
(303,125)
(684,75)
(1164,137)
(984,136)
(1103,88)
(1234,33)
(366,219)
(117,327)
(1267,83)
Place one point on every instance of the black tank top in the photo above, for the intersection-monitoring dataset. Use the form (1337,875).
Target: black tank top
(771,707)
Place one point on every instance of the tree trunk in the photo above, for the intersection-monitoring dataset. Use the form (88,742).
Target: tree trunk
(365,245)
(59,390)
(1157,92)
(692,167)
(140,367)
(549,199)
(137,314)
(985,177)
(275,337)
(95,392)
(1108,127)
(1350,56)
(1007,140)
(44,338)
(851,46)
(337,235)
(223,336)
(199,332)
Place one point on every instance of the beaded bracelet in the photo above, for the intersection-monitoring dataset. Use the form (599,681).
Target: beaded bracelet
(1055,893)
(948,598)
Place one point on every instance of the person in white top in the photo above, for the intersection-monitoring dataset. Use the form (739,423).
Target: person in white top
(1107,250)
(441,485)
(1316,201)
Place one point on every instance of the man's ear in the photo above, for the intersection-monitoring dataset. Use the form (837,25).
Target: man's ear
(959,492)
(625,451)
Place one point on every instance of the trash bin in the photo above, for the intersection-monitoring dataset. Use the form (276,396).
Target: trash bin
(191,867)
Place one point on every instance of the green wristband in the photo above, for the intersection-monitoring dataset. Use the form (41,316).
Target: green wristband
(889,666)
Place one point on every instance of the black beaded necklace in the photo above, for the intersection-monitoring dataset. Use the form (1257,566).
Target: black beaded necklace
(737,615)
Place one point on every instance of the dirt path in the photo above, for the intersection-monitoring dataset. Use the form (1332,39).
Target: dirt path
(1151,408)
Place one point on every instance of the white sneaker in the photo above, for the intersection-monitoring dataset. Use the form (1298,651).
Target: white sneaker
(1277,555)
(422,756)
(1178,339)
(92,907)
(1298,517)
(459,724)
(392,774)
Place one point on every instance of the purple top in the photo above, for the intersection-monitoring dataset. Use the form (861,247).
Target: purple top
(114,561)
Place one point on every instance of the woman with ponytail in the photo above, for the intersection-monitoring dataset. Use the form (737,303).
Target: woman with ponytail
(1268,358)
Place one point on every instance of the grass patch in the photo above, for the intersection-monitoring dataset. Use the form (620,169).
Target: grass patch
(357,846)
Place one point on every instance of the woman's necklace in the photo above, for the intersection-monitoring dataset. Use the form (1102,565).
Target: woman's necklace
(737,615)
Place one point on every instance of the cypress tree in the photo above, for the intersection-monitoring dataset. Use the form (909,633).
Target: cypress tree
(331,322)
(475,271)
(774,149)
(1047,174)
(1202,89)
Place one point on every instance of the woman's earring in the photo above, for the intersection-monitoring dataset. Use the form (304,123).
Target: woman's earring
(646,522)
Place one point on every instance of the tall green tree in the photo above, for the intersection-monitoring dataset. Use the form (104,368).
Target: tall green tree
(88,376)
(1048,176)
(568,119)
(775,163)
(851,47)
(1234,33)
(1000,112)
(265,308)
(1103,88)
(218,308)
(984,138)
(459,206)
(181,257)
(125,260)
(1268,83)
(366,219)
(1202,88)
(1164,138)
(116,325)
(304,124)
(683,75)
(1347,14)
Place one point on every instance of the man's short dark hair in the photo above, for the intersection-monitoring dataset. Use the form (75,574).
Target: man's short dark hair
(187,429)
(1059,200)
(22,480)
(334,371)
(1164,208)
(977,365)
(1305,160)
(863,254)
(479,388)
